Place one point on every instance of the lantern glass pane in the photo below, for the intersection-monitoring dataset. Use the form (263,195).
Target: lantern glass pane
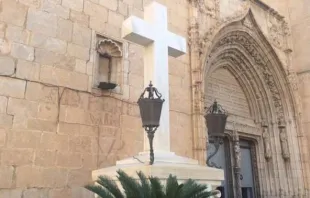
(150,111)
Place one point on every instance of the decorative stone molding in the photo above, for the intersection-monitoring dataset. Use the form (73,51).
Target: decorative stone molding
(199,134)
(243,128)
(193,33)
(196,3)
(210,8)
(109,47)
(264,66)
(293,80)
(278,32)
(248,23)
(210,34)
(239,45)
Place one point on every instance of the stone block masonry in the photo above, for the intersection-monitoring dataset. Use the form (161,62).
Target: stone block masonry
(54,126)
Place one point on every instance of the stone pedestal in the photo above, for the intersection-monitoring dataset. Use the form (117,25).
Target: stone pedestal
(166,163)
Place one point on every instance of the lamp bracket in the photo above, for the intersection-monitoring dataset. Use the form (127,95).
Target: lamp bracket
(217,141)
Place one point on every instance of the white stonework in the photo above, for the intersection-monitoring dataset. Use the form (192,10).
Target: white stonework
(153,34)
(167,163)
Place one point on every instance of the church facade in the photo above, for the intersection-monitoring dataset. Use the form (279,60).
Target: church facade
(69,86)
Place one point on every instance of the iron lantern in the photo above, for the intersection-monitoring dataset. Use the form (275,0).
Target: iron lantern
(216,118)
(150,107)
(150,111)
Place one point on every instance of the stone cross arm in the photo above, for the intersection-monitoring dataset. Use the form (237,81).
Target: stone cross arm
(143,33)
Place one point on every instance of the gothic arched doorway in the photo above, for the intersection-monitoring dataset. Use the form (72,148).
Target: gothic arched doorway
(244,74)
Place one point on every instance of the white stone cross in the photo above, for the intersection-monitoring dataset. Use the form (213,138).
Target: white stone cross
(153,34)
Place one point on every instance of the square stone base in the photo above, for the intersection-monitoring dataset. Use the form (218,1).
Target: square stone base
(165,163)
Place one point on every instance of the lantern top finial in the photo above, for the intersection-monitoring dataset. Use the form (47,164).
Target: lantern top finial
(216,118)
(215,108)
(152,91)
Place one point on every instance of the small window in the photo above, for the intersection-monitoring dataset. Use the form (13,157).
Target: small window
(108,64)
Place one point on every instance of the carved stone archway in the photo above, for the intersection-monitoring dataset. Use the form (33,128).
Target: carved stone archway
(244,51)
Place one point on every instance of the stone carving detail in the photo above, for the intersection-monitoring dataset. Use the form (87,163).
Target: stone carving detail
(293,80)
(283,141)
(266,139)
(244,40)
(238,15)
(210,7)
(193,34)
(278,32)
(109,47)
(196,3)
(237,163)
(248,23)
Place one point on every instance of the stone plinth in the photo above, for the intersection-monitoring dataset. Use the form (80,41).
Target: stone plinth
(166,163)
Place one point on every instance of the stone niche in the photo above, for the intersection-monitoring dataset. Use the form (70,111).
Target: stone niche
(108,68)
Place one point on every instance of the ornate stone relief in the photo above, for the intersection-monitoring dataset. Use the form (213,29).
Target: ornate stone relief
(208,7)
(293,80)
(248,23)
(245,55)
(244,40)
(193,33)
(283,140)
(278,32)
(109,47)
(238,15)
(266,139)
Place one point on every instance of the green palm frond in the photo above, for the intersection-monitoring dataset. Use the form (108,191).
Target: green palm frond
(205,194)
(110,185)
(100,191)
(131,187)
(172,187)
(191,189)
(145,185)
(157,188)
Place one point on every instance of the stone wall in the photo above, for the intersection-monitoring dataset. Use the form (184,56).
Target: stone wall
(54,126)
(300,25)
(223,87)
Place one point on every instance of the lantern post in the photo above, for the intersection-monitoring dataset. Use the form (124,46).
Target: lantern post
(216,118)
(150,111)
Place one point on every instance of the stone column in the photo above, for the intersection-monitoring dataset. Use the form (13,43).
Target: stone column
(283,140)
(199,132)
(237,164)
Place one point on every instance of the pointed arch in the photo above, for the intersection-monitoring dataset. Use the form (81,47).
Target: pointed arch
(242,49)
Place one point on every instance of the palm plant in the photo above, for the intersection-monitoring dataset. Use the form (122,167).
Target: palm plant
(147,187)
